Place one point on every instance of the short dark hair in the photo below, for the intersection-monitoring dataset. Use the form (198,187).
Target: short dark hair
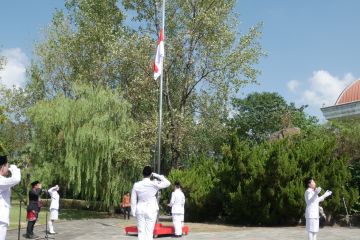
(147,171)
(177,184)
(308,181)
(3,160)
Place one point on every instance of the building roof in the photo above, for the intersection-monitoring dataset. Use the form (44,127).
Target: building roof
(350,94)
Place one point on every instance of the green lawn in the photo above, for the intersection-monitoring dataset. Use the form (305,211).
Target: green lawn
(65,214)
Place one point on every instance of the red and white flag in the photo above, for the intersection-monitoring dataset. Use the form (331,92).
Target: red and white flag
(159,58)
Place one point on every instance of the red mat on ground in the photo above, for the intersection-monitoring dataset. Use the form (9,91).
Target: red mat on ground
(158,230)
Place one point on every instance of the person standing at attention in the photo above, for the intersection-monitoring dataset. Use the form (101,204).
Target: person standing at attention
(177,204)
(126,205)
(144,205)
(312,207)
(6,183)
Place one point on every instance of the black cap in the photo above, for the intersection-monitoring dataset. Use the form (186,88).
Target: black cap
(147,171)
(34,183)
(3,160)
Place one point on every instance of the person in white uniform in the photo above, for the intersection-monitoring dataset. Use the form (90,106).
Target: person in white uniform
(177,204)
(144,205)
(54,207)
(312,207)
(5,192)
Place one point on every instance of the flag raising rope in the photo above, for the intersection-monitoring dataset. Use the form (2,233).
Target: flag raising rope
(159,58)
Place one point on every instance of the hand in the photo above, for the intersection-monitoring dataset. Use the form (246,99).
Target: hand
(155,175)
(13,167)
(327,193)
(318,190)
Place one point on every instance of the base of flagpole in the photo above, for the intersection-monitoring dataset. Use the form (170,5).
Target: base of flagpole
(159,230)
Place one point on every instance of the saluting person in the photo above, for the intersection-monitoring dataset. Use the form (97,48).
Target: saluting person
(5,192)
(33,208)
(54,207)
(144,205)
(312,207)
(177,204)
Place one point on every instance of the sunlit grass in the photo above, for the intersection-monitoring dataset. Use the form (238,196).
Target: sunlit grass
(64,214)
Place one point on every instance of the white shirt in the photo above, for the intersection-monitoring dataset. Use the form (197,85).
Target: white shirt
(55,198)
(312,203)
(5,192)
(143,195)
(177,202)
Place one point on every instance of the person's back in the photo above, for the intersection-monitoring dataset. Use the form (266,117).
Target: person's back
(146,191)
(177,204)
(144,204)
(177,201)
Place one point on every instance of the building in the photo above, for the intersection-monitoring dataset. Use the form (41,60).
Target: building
(347,105)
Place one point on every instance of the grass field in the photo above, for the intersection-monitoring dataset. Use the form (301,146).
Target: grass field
(65,214)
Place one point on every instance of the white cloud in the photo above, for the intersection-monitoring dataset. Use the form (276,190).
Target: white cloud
(14,72)
(323,88)
(293,85)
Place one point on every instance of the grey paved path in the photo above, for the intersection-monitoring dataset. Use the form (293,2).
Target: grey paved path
(110,229)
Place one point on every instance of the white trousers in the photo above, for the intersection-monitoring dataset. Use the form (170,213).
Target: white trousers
(178,221)
(3,230)
(51,226)
(312,236)
(145,224)
(54,214)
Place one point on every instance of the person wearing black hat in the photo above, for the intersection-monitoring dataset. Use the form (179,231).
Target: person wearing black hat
(144,205)
(6,182)
(33,208)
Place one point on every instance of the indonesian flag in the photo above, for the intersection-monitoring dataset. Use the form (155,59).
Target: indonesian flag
(159,58)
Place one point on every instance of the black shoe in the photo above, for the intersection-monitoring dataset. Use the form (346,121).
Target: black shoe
(31,236)
(177,236)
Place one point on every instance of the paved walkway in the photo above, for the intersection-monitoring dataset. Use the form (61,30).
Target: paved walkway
(111,229)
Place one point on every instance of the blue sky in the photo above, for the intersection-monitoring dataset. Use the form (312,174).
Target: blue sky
(312,45)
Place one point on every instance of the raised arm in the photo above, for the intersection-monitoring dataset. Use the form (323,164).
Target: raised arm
(50,191)
(15,178)
(325,195)
(163,182)
(310,197)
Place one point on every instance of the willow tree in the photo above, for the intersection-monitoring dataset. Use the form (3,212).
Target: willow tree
(207,60)
(88,43)
(88,142)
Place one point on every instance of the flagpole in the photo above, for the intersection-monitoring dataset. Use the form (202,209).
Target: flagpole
(161,95)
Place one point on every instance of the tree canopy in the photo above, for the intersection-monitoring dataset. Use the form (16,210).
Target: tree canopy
(88,142)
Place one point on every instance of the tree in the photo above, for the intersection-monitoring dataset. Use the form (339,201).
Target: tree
(88,44)
(205,55)
(261,114)
(348,141)
(88,142)
(268,178)
(199,183)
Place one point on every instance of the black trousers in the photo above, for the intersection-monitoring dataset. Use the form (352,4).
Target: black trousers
(30,226)
(127,212)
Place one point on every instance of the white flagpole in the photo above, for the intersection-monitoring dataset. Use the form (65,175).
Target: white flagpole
(161,94)
(160,106)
